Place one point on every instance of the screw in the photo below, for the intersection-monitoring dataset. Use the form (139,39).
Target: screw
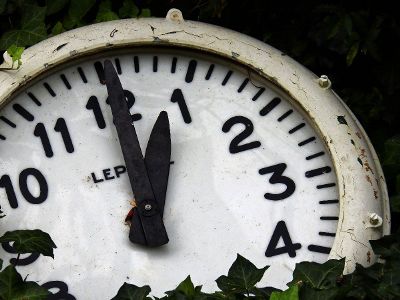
(175,15)
(324,82)
(375,220)
(148,207)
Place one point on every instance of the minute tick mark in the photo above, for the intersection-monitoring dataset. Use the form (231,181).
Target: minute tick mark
(305,142)
(270,106)
(118,66)
(318,172)
(209,72)
(285,115)
(34,99)
(315,155)
(155,63)
(227,76)
(327,185)
(49,89)
(8,122)
(322,233)
(136,63)
(23,112)
(173,66)
(329,201)
(65,81)
(319,249)
(2,137)
(259,93)
(98,66)
(298,127)
(82,74)
(190,71)
(328,218)
(243,85)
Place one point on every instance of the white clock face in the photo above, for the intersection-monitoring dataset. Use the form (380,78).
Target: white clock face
(248,175)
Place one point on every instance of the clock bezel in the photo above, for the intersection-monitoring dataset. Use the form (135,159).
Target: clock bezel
(360,179)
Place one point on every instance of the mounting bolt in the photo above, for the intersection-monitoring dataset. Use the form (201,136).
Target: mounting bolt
(148,207)
(375,220)
(324,82)
(174,15)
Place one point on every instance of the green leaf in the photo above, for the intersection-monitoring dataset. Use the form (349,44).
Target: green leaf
(242,276)
(318,276)
(12,287)
(352,53)
(105,12)
(128,9)
(32,30)
(57,29)
(76,11)
(30,241)
(290,294)
(30,291)
(55,6)
(132,292)
(145,13)
(10,280)
(186,287)
(306,292)
(15,54)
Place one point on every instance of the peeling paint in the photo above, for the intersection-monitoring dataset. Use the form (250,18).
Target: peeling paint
(114,31)
(60,47)
(342,120)
(235,55)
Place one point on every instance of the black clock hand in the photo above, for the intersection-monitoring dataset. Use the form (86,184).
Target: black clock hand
(157,158)
(151,231)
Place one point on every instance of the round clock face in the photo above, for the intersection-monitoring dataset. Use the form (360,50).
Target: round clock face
(249,174)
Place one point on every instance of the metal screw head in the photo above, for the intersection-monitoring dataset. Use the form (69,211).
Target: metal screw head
(324,82)
(148,207)
(175,15)
(375,220)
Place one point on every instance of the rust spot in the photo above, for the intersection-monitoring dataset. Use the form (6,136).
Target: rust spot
(114,31)
(342,120)
(369,256)
(363,155)
(376,194)
(368,168)
(358,134)
(368,179)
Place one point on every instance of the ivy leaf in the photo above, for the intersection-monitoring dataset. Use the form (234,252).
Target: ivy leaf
(186,290)
(307,292)
(12,287)
(132,292)
(57,29)
(76,11)
(290,294)
(30,241)
(55,6)
(128,9)
(145,13)
(242,276)
(105,12)
(352,53)
(387,247)
(32,30)
(318,276)
(30,291)
(15,54)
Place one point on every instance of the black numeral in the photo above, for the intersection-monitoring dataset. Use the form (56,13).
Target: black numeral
(61,127)
(22,261)
(277,177)
(177,97)
(289,247)
(62,291)
(130,99)
(93,104)
(5,182)
(235,146)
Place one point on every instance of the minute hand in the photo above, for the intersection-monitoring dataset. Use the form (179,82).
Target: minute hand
(149,213)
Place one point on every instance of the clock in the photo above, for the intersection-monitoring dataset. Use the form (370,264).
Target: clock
(266,160)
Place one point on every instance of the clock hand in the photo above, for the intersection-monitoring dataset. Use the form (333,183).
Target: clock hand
(148,228)
(158,157)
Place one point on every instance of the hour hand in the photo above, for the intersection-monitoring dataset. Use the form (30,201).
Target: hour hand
(148,229)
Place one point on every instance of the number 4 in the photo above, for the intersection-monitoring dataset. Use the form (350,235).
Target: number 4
(289,247)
